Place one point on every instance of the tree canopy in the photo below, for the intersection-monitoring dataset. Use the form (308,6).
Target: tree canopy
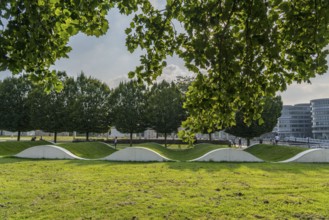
(239,51)
(165,108)
(14,107)
(88,105)
(129,108)
(48,111)
(270,115)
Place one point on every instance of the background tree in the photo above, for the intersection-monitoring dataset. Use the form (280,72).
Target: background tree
(270,115)
(89,106)
(48,111)
(14,110)
(129,108)
(165,108)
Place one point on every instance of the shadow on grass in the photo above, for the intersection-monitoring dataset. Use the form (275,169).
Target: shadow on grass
(283,168)
(295,168)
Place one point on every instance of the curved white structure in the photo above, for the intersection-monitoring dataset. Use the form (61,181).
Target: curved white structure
(228,155)
(47,152)
(137,154)
(310,156)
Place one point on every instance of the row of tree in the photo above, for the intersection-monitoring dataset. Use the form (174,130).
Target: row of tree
(88,105)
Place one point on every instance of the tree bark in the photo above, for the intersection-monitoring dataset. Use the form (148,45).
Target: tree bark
(248,142)
(209,136)
(19,136)
(55,137)
(165,139)
(87,135)
(131,139)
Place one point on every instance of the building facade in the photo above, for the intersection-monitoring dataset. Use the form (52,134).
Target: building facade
(295,121)
(320,118)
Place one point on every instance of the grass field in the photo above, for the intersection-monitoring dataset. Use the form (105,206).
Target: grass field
(90,150)
(10,148)
(41,189)
(183,154)
(274,152)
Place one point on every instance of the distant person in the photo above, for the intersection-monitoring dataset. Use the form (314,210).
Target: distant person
(115,142)
(277,138)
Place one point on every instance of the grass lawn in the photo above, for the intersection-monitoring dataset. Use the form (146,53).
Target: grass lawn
(41,189)
(10,148)
(90,150)
(182,154)
(274,152)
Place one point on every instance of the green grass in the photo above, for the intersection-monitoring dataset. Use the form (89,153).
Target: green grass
(274,152)
(62,189)
(90,150)
(10,148)
(182,154)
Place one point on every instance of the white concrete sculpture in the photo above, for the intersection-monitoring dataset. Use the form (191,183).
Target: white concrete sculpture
(137,154)
(228,155)
(47,152)
(310,156)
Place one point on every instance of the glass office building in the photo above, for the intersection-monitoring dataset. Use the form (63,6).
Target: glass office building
(320,118)
(295,121)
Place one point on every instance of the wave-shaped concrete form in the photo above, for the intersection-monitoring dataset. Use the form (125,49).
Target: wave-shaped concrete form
(310,156)
(228,155)
(136,154)
(47,152)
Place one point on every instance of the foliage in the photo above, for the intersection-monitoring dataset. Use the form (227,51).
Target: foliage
(90,150)
(10,148)
(48,111)
(239,50)
(165,108)
(269,116)
(89,106)
(183,82)
(274,152)
(129,101)
(105,190)
(14,108)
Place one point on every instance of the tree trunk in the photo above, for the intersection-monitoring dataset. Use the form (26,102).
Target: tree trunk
(165,139)
(55,137)
(209,136)
(157,135)
(87,135)
(131,139)
(19,136)
(248,142)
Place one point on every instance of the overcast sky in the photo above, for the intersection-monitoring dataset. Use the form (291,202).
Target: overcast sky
(107,59)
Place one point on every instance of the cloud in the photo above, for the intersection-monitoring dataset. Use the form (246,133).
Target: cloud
(303,93)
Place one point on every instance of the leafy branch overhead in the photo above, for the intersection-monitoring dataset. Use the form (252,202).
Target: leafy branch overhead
(239,51)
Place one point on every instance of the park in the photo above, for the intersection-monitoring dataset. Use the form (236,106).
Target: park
(102,189)
(240,56)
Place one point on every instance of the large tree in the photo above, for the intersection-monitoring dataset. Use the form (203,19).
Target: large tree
(239,51)
(270,115)
(129,102)
(88,105)
(165,108)
(48,111)
(14,108)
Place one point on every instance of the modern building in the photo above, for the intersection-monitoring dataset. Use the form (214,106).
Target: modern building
(295,121)
(320,118)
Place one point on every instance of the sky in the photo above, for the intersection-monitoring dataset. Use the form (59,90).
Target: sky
(107,58)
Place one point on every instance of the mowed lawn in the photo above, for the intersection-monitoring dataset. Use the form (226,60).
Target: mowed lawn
(49,189)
